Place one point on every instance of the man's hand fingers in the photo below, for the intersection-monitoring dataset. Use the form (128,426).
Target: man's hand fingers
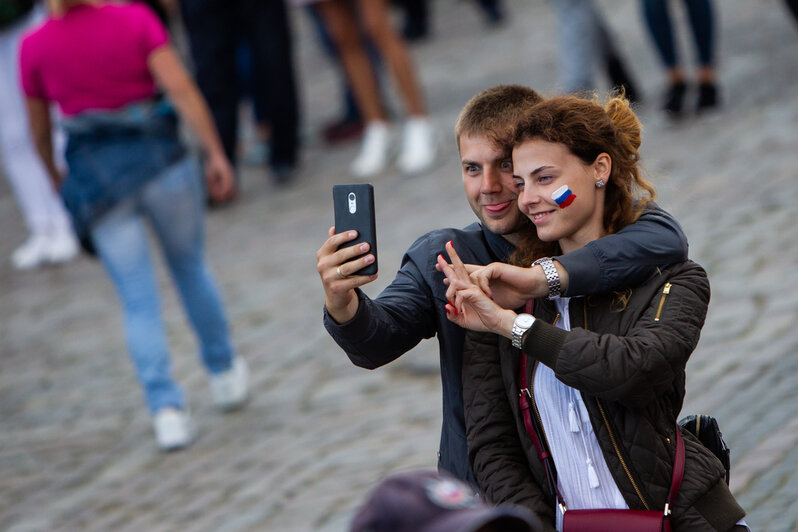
(351,282)
(350,269)
(330,254)
(336,240)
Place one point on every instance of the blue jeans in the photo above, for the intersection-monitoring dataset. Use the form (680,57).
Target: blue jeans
(172,203)
(702,22)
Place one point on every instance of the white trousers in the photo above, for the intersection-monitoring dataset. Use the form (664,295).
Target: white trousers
(41,206)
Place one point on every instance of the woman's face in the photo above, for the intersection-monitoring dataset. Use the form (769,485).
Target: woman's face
(558,192)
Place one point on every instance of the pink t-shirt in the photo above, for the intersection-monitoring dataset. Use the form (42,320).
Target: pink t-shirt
(92,57)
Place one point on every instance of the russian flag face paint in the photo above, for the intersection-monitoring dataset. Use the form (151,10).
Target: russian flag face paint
(563,196)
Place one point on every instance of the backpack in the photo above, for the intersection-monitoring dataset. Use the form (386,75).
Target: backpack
(706,429)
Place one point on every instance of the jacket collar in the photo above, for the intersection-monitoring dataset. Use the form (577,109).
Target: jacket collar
(498,246)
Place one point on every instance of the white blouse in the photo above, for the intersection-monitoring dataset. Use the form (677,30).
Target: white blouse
(583,478)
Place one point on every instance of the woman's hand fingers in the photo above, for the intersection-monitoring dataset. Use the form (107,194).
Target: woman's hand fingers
(481,277)
(457,264)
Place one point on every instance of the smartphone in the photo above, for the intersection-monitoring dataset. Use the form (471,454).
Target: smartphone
(354,209)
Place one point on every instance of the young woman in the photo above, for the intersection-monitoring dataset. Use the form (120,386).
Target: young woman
(605,373)
(100,63)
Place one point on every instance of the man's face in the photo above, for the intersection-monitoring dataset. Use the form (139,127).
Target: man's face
(488,179)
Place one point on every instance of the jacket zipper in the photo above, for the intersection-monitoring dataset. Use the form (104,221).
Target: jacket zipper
(618,453)
(665,291)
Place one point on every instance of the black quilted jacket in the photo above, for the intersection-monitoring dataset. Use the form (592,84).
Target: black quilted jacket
(629,367)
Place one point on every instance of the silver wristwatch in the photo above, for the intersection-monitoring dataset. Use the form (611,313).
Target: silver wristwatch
(552,277)
(521,324)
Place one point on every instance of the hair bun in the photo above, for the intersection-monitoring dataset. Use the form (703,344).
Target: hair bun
(627,126)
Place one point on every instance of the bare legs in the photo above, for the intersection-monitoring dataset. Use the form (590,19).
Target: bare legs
(345,30)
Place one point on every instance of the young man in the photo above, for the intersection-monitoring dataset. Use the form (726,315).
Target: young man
(374,332)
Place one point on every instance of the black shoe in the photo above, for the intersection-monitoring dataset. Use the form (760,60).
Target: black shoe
(674,99)
(620,79)
(707,97)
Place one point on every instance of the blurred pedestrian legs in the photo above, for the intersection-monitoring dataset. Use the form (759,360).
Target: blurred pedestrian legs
(416,16)
(343,21)
(51,238)
(173,204)
(585,45)
(702,24)
(215,28)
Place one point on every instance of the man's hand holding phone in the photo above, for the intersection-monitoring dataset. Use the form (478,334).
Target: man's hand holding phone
(337,269)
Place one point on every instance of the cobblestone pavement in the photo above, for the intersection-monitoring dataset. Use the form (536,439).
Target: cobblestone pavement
(76,449)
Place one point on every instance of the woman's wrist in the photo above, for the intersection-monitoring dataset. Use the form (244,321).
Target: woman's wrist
(506,321)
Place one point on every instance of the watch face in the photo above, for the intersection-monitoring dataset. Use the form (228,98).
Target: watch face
(524,321)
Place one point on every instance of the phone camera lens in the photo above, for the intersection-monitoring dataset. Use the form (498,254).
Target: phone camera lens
(351,196)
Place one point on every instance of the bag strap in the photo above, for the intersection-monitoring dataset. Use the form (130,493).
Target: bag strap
(678,472)
(524,399)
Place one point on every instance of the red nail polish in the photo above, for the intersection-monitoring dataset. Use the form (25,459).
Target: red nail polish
(450,243)
(456,311)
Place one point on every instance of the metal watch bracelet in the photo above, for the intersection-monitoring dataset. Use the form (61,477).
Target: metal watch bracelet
(552,277)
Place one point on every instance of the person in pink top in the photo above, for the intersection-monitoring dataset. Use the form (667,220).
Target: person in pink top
(100,63)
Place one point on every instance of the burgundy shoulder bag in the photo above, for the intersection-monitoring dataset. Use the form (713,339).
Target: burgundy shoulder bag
(600,520)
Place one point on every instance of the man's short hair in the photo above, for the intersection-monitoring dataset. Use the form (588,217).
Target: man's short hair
(494,112)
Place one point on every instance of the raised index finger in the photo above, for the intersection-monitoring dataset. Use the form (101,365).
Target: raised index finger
(457,264)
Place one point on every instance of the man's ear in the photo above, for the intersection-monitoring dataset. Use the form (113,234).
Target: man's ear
(603,167)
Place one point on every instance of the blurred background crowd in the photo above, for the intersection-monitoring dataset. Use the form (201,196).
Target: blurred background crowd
(242,57)
(293,96)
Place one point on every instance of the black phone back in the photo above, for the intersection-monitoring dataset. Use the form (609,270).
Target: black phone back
(354,209)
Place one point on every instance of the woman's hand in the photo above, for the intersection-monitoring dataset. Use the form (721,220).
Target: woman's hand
(469,306)
(219,177)
(509,286)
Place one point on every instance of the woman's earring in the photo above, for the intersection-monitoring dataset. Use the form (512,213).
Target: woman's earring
(600,183)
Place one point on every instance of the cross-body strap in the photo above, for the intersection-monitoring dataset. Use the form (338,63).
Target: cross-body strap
(678,472)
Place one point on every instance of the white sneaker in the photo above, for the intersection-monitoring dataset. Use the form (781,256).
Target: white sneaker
(62,246)
(230,389)
(418,146)
(174,429)
(32,253)
(373,156)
